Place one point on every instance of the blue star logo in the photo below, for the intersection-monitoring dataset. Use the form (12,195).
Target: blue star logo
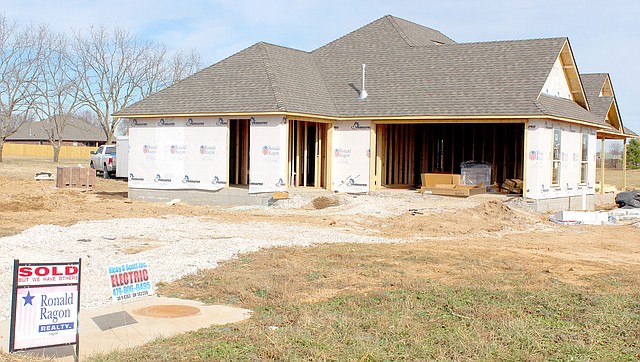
(28,298)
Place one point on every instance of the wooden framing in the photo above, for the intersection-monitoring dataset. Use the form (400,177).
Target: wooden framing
(239,130)
(307,154)
(573,77)
(404,151)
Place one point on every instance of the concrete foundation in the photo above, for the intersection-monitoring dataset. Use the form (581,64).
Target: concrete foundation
(230,196)
(562,203)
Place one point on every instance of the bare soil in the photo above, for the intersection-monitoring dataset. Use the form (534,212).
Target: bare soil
(479,225)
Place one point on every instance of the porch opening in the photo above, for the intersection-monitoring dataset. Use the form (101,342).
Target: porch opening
(307,154)
(239,152)
(404,151)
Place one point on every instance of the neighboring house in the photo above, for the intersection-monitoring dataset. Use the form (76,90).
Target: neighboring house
(77,133)
(269,118)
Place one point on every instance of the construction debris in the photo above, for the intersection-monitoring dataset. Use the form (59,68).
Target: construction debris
(596,217)
(44,176)
(448,185)
(511,186)
(628,199)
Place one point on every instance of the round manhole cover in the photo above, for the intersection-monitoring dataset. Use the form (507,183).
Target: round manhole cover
(167,311)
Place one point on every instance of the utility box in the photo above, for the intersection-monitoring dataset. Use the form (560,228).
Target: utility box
(122,157)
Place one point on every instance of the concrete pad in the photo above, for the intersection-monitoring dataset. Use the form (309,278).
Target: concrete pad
(127,334)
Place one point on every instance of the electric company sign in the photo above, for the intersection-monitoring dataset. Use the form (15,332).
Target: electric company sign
(45,305)
(130,281)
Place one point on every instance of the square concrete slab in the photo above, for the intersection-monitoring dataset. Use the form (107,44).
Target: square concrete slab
(113,320)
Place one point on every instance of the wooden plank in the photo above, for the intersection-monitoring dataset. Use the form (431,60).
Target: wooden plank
(245,152)
(329,154)
(372,157)
(624,165)
(412,154)
(380,141)
(525,141)
(504,153)
(602,158)
(493,157)
(298,153)
(400,161)
(305,155)
(317,168)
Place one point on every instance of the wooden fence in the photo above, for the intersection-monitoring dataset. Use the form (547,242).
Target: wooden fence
(25,150)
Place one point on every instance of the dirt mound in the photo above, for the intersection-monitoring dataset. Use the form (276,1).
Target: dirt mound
(494,210)
(322,202)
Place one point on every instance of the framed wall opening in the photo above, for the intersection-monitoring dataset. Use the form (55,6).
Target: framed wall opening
(404,151)
(239,151)
(307,154)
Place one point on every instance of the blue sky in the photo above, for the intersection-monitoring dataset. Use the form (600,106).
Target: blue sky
(605,36)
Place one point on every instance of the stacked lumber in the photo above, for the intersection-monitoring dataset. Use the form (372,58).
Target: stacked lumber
(511,186)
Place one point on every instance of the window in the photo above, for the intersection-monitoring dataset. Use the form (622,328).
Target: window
(557,157)
(584,161)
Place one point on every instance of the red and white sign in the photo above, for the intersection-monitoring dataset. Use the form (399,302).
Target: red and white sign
(33,274)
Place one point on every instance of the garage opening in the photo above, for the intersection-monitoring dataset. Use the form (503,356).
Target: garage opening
(239,152)
(307,154)
(404,151)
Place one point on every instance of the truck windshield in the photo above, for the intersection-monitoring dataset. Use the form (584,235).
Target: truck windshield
(110,149)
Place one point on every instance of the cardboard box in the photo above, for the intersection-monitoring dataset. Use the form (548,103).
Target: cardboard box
(448,185)
(75,177)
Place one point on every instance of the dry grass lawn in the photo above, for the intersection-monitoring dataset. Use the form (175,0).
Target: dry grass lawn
(487,283)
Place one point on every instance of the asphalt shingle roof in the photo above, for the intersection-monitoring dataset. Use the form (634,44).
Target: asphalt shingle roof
(593,83)
(407,74)
(75,130)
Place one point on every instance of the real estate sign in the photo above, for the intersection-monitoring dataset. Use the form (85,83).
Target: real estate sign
(45,305)
(130,281)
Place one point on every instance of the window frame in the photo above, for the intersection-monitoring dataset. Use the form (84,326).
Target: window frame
(584,158)
(556,172)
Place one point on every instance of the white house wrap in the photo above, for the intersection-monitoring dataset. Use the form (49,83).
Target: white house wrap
(351,156)
(268,154)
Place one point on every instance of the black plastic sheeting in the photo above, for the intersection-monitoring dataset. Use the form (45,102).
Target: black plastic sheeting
(628,200)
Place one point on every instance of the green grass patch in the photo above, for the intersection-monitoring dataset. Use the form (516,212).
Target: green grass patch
(424,320)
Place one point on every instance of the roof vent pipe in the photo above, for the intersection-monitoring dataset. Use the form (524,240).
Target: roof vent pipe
(363,92)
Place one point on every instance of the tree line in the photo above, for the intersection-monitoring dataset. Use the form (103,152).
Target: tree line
(53,77)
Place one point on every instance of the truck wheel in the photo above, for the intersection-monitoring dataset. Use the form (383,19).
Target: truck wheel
(105,173)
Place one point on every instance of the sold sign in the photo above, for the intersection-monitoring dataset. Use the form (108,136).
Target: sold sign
(47,274)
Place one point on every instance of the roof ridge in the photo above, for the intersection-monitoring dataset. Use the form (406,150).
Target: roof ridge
(271,76)
(401,32)
(349,33)
(506,41)
(283,47)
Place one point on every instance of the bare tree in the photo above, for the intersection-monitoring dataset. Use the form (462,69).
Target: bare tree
(20,51)
(57,91)
(112,65)
(183,64)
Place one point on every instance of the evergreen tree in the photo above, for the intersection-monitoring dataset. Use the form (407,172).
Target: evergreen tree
(633,153)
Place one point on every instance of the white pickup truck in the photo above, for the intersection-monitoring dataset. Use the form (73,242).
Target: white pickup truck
(104,160)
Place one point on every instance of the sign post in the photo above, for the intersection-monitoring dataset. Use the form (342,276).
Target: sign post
(45,305)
